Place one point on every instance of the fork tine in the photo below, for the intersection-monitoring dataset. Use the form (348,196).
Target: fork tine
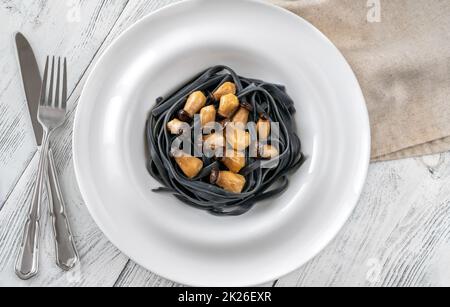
(64,86)
(57,93)
(50,94)
(44,83)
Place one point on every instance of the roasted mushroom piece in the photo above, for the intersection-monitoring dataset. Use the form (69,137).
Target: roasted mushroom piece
(263,128)
(208,115)
(228,181)
(268,152)
(234,161)
(214,141)
(228,105)
(237,138)
(176,126)
(191,166)
(195,102)
(224,89)
(242,115)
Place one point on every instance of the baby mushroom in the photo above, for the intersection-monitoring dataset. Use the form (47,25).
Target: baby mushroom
(228,105)
(263,128)
(214,141)
(207,115)
(238,139)
(191,166)
(234,161)
(268,152)
(176,126)
(242,114)
(229,181)
(224,89)
(194,103)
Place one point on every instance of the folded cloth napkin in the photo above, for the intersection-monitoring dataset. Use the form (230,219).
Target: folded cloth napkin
(400,52)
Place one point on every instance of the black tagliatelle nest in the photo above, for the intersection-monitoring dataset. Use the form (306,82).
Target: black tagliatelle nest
(262,179)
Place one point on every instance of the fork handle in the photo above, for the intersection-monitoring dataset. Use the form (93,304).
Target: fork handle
(27,264)
(66,252)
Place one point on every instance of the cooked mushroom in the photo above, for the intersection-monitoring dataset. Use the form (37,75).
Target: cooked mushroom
(224,89)
(263,128)
(242,114)
(228,105)
(207,115)
(214,141)
(194,103)
(238,138)
(191,166)
(176,126)
(268,152)
(234,161)
(229,181)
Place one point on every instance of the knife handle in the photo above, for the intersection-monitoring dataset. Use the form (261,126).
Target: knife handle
(27,264)
(66,252)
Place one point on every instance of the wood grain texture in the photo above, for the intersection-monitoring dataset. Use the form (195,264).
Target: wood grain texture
(79,41)
(135,276)
(397,236)
(101,262)
(50,31)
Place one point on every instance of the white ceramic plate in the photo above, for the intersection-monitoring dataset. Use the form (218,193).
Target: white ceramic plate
(157,55)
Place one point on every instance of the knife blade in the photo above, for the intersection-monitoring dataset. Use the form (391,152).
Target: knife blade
(32,81)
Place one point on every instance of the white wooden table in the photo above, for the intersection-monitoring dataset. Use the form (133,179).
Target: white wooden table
(399,235)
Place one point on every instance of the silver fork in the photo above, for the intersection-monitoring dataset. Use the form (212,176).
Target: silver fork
(51,115)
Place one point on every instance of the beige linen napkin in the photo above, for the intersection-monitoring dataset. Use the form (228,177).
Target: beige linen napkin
(400,52)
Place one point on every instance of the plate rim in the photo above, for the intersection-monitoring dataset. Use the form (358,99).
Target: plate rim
(351,202)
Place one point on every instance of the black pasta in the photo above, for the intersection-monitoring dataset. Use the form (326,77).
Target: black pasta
(261,183)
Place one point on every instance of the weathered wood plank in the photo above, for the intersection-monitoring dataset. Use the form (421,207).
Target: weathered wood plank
(101,262)
(399,235)
(79,40)
(135,276)
(51,30)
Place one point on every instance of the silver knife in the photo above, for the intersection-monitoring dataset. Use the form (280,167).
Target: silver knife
(66,253)
(32,81)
